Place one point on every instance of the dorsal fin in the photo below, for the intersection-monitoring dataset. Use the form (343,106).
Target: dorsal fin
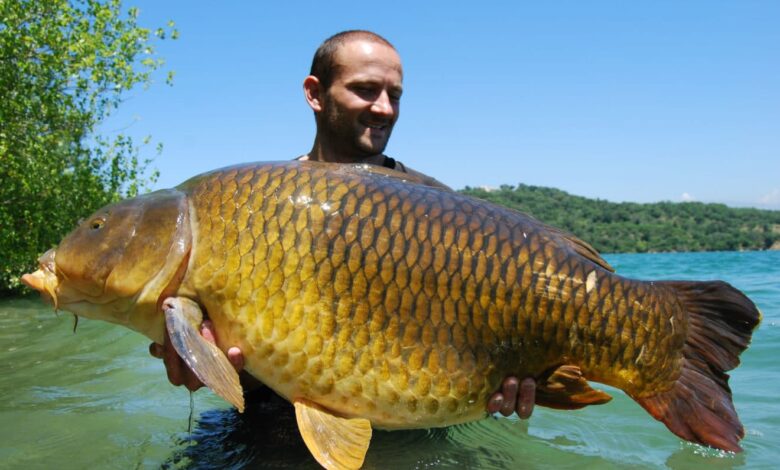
(582,248)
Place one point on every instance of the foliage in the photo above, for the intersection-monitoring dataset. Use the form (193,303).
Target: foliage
(64,66)
(630,227)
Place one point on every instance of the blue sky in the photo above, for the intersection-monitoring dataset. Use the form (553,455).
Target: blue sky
(625,101)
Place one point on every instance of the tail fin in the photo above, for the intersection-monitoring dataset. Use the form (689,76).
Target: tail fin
(698,407)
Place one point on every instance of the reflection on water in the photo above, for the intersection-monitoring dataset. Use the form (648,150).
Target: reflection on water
(266,435)
(96,399)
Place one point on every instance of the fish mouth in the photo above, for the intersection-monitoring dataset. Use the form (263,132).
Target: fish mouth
(56,289)
(45,279)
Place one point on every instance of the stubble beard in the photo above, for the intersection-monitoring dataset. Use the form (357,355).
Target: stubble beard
(349,137)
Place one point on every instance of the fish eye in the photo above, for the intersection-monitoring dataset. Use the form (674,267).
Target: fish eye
(97,224)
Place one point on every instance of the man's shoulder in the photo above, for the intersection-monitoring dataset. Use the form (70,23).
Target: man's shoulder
(421,177)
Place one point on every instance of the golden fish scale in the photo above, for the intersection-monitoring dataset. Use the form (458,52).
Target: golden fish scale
(405,304)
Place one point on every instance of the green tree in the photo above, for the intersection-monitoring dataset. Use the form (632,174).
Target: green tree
(630,227)
(65,65)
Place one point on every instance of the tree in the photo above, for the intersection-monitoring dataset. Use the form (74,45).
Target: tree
(630,227)
(65,65)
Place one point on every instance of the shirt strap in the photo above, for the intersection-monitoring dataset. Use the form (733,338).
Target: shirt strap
(393,164)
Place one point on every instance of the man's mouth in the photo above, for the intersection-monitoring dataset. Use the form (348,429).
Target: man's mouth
(376,126)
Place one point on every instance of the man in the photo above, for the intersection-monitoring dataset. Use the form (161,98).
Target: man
(354,88)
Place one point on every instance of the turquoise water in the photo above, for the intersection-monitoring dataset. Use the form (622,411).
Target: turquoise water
(96,399)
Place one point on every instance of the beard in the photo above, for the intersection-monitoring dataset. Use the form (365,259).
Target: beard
(347,134)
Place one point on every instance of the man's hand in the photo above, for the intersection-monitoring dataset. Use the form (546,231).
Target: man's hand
(178,371)
(515,396)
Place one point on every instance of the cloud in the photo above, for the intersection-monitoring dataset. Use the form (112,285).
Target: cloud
(686,197)
(771,198)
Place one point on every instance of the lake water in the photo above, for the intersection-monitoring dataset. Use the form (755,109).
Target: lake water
(96,399)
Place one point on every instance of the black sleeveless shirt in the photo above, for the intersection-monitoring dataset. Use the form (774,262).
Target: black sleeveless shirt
(388,162)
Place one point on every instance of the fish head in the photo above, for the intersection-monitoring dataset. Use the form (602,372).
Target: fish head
(118,262)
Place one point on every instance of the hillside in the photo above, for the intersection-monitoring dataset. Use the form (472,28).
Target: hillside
(632,227)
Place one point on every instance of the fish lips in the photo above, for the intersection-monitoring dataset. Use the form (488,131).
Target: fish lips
(45,282)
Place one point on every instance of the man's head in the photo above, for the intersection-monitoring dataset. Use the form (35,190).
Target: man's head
(354,89)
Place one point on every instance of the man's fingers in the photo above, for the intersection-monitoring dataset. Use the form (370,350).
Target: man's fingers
(173,364)
(526,398)
(156,350)
(495,402)
(234,354)
(207,331)
(236,358)
(191,381)
(509,390)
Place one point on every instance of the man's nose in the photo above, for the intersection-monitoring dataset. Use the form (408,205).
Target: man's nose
(382,105)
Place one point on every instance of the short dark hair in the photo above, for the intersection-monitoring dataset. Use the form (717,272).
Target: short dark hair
(323,65)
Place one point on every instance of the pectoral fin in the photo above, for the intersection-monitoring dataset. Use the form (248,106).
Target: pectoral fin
(566,389)
(182,319)
(335,442)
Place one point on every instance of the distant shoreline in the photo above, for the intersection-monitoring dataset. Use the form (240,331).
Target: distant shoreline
(627,227)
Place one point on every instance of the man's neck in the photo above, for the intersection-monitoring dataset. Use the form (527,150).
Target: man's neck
(318,154)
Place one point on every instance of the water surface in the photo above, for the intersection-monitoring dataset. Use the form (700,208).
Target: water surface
(96,399)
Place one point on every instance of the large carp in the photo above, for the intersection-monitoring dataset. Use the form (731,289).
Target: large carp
(370,300)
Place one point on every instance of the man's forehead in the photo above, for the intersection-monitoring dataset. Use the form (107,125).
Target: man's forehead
(367,47)
(360,53)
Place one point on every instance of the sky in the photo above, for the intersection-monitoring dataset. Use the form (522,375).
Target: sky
(623,101)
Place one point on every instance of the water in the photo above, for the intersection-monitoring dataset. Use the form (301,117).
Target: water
(96,399)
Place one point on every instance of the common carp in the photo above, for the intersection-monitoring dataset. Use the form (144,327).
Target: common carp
(372,301)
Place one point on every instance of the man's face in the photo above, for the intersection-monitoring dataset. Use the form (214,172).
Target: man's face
(362,104)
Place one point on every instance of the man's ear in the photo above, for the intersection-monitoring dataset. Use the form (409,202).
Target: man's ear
(312,89)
